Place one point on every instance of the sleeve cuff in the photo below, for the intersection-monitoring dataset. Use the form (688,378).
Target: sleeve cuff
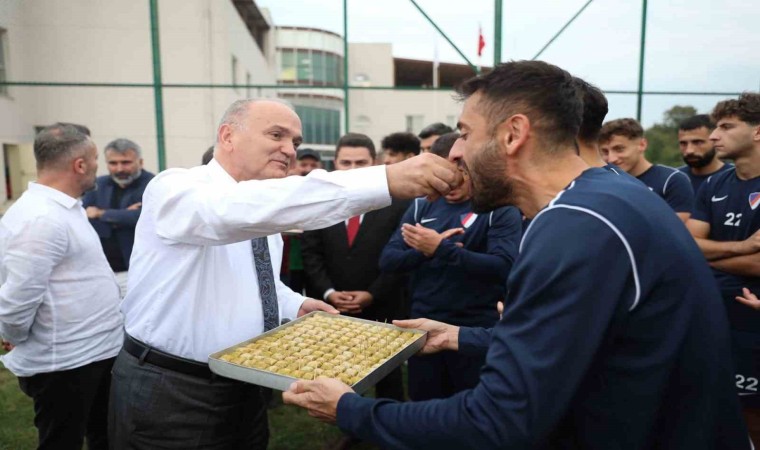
(327,293)
(474,341)
(353,411)
(445,250)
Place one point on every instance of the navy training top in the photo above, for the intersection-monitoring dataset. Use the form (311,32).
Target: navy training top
(670,184)
(458,285)
(613,337)
(697,180)
(730,206)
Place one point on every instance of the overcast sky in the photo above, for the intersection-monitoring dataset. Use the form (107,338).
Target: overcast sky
(692,45)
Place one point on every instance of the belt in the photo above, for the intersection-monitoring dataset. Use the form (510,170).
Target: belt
(150,355)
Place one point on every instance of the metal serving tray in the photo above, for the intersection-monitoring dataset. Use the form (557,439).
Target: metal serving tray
(283,382)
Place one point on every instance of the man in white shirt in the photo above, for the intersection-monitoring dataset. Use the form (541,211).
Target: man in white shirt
(59,301)
(204,274)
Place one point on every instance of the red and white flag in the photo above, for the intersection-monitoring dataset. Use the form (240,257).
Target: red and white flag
(481,42)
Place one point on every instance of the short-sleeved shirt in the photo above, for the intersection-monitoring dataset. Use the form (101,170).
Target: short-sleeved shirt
(697,180)
(731,207)
(670,184)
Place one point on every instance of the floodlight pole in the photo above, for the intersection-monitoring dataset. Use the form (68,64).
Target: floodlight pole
(642,48)
(158,95)
(345,66)
(497,32)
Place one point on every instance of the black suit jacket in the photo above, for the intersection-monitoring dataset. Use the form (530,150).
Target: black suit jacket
(330,263)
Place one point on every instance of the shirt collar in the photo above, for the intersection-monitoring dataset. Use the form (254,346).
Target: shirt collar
(217,172)
(53,194)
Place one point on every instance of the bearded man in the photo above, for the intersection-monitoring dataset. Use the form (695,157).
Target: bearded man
(114,207)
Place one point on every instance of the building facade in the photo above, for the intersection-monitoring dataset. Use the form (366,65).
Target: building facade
(227,43)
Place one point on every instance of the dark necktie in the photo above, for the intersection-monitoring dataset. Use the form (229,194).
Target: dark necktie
(265,276)
(352,229)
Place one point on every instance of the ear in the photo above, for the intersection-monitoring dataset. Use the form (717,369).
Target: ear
(756,134)
(643,145)
(224,137)
(79,165)
(514,132)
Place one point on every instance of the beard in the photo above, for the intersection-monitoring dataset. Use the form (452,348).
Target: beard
(698,162)
(124,179)
(491,188)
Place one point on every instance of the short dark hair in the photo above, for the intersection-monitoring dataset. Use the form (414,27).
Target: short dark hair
(208,155)
(401,142)
(627,127)
(442,145)
(595,109)
(695,122)
(746,108)
(356,140)
(435,129)
(81,128)
(546,94)
(59,143)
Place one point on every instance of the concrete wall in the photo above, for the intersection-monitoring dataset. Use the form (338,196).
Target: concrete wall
(110,41)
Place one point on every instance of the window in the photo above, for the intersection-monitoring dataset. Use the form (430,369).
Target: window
(303,65)
(414,123)
(288,65)
(339,67)
(3,68)
(318,61)
(234,72)
(320,125)
(248,84)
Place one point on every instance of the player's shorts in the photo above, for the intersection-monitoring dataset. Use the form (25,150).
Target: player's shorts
(746,353)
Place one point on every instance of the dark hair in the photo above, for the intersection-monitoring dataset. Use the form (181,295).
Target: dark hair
(81,128)
(546,94)
(59,143)
(208,155)
(621,127)
(356,140)
(442,145)
(595,109)
(435,129)
(746,108)
(695,122)
(401,142)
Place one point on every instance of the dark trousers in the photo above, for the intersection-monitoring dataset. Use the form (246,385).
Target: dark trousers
(156,408)
(70,405)
(442,375)
(392,386)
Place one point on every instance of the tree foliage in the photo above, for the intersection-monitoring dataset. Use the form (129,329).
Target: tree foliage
(662,137)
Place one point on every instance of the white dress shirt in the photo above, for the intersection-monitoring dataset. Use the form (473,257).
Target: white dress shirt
(193,288)
(59,300)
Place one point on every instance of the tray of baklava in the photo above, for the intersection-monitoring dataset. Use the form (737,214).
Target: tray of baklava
(356,351)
